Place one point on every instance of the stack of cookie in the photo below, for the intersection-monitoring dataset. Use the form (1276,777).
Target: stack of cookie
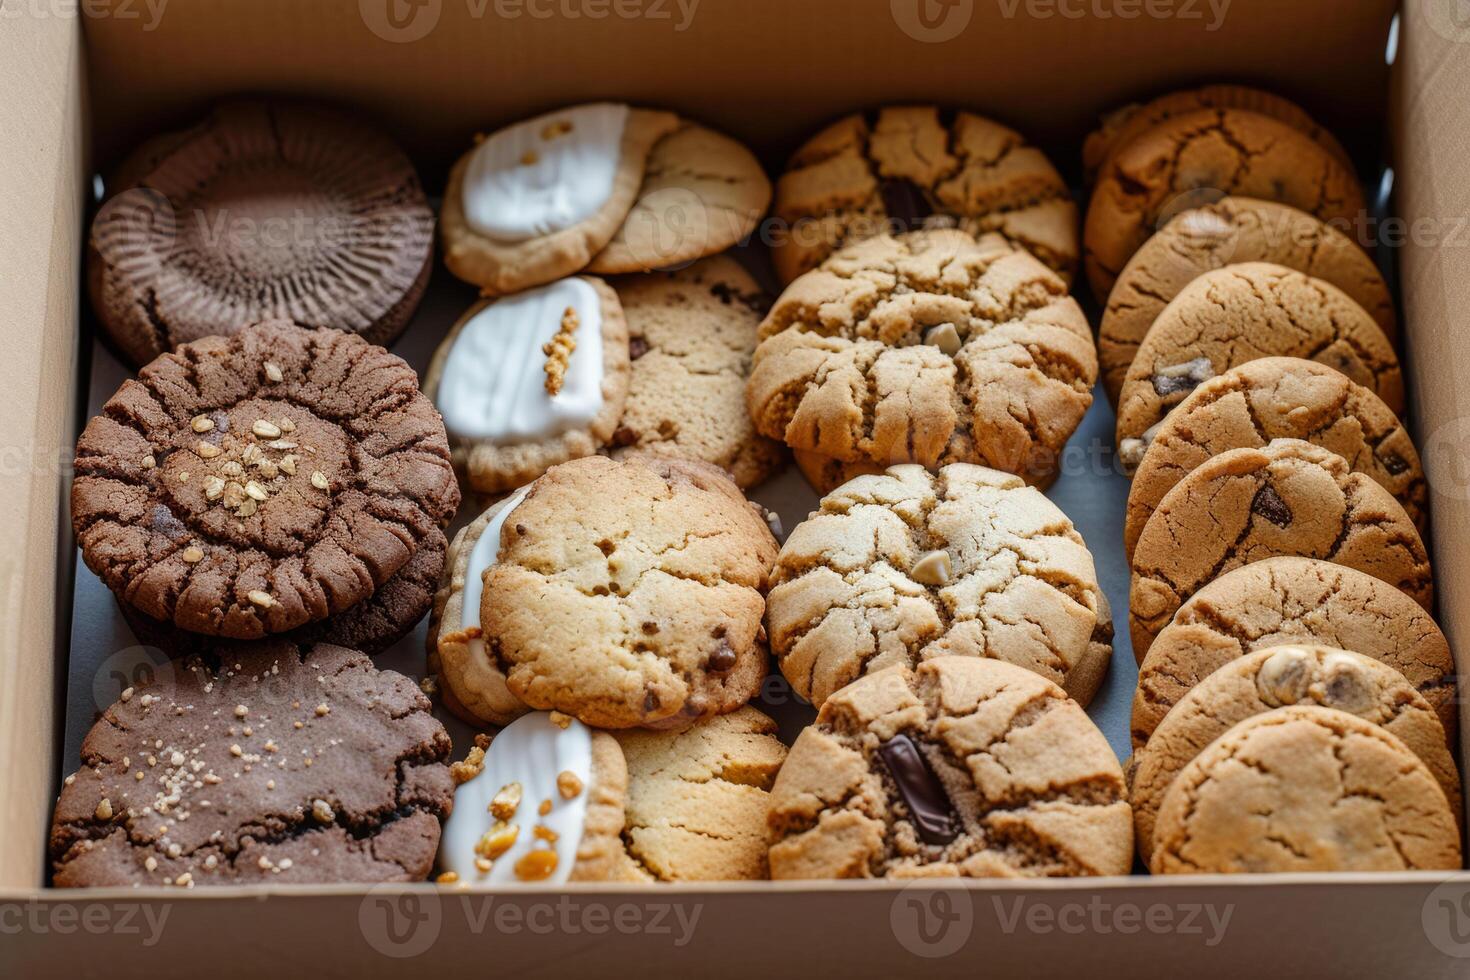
(1294,696)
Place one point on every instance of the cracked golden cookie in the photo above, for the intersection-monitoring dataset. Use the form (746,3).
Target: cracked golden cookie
(1293,600)
(528,381)
(1122,126)
(702,193)
(536,201)
(630,592)
(1197,157)
(262,211)
(691,337)
(282,765)
(907,166)
(966,767)
(1230,231)
(1240,313)
(1286,498)
(542,801)
(1304,788)
(255,483)
(911,565)
(698,799)
(1278,398)
(1271,679)
(929,348)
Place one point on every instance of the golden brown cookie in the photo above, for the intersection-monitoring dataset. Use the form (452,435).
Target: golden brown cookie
(1305,789)
(1278,398)
(826,474)
(931,347)
(1240,313)
(963,767)
(1275,678)
(911,565)
(1194,158)
(1294,600)
(1232,230)
(909,167)
(1286,498)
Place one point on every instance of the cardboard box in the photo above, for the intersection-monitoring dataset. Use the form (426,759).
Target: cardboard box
(84,83)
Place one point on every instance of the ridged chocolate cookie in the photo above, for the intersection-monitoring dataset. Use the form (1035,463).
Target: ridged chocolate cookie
(1278,398)
(281,765)
(255,483)
(1241,313)
(1232,230)
(910,566)
(1269,679)
(1287,498)
(928,348)
(1305,789)
(1294,600)
(963,767)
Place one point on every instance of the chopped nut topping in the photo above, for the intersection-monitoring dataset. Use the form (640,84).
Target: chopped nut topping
(322,710)
(497,840)
(545,833)
(104,810)
(287,425)
(568,785)
(319,480)
(247,508)
(544,808)
(537,865)
(193,555)
(261,599)
(483,865)
(322,811)
(933,568)
(280,444)
(255,491)
(558,351)
(149,462)
(273,371)
(207,450)
(201,423)
(506,802)
(447,878)
(529,158)
(945,337)
(214,488)
(265,429)
(554,129)
(288,465)
(560,720)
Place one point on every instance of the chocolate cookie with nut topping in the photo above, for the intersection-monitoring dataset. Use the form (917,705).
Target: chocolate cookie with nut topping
(966,767)
(279,765)
(252,484)
(910,566)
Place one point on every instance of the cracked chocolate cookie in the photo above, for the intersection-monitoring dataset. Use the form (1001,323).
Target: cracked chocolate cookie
(540,801)
(691,337)
(255,483)
(1232,230)
(281,764)
(932,348)
(535,201)
(262,211)
(1278,398)
(1294,600)
(1275,678)
(702,193)
(1195,158)
(630,592)
(1241,313)
(1304,788)
(963,767)
(528,381)
(906,167)
(910,565)
(697,800)
(1286,498)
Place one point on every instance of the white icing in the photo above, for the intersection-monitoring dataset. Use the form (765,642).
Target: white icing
(485,553)
(537,177)
(531,751)
(493,387)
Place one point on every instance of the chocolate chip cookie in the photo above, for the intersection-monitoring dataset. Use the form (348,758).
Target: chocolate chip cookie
(1286,498)
(963,767)
(908,167)
(1271,679)
(1305,789)
(1294,600)
(1232,230)
(910,565)
(278,765)
(929,348)
(1241,313)
(1278,398)
(255,483)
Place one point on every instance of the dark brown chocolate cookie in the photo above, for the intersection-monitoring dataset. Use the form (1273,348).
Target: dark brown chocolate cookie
(372,626)
(252,484)
(261,211)
(280,764)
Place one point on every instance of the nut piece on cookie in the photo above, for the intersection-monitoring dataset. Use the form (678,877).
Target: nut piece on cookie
(910,566)
(957,768)
(844,368)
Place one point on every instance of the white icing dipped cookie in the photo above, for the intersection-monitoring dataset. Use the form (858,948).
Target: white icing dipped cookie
(528,381)
(546,805)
